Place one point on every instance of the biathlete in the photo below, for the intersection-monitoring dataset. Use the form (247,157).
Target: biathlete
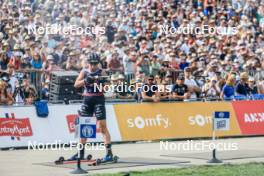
(94,101)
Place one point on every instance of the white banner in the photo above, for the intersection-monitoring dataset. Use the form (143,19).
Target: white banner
(57,128)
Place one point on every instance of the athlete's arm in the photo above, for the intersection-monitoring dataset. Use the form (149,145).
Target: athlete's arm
(80,80)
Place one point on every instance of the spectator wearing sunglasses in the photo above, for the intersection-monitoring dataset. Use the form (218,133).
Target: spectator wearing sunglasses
(180,90)
(150,90)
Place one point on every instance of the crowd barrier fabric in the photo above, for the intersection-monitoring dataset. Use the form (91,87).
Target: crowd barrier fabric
(20,126)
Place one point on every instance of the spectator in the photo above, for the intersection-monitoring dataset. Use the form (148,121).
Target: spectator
(132,35)
(36,61)
(122,92)
(228,90)
(180,90)
(261,86)
(150,90)
(211,90)
(164,90)
(253,89)
(183,64)
(29,92)
(193,87)
(143,64)
(5,95)
(242,87)
(45,91)
(72,62)
(129,64)
(154,66)
(114,64)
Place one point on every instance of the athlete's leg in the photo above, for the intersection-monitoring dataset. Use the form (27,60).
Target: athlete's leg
(100,114)
(106,136)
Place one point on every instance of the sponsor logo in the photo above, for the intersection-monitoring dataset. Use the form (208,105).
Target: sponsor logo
(254,117)
(141,122)
(250,116)
(15,127)
(200,120)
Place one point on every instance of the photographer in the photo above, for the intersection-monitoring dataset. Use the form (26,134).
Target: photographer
(5,95)
(25,92)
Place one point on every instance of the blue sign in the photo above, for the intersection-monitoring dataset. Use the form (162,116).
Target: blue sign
(222,115)
(221,120)
(88,131)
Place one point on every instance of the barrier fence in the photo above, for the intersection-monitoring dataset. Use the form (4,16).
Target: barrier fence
(131,122)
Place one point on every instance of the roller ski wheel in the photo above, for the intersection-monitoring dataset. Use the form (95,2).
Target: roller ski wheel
(115,159)
(89,157)
(94,162)
(60,160)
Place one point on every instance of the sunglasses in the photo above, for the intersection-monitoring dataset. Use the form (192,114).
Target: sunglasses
(94,63)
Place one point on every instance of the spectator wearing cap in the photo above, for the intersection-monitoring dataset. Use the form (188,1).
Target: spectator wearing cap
(165,67)
(72,62)
(228,90)
(180,90)
(149,90)
(193,87)
(242,87)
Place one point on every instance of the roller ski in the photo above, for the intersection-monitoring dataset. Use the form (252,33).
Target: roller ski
(74,159)
(107,159)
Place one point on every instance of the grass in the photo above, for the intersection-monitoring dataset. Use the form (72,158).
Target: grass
(250,169)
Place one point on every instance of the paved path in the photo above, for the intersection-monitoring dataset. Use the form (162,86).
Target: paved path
(22,162)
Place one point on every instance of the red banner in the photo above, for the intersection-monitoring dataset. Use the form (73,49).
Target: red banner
(250,116)
(71,123)
(15,127)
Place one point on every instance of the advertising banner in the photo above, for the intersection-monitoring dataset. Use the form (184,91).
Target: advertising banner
(15,127)
(150,121)
(58,128)
(250,116)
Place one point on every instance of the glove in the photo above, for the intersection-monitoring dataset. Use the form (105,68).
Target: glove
(89,80)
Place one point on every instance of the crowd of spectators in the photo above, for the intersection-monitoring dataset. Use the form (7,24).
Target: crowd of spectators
(133,48)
